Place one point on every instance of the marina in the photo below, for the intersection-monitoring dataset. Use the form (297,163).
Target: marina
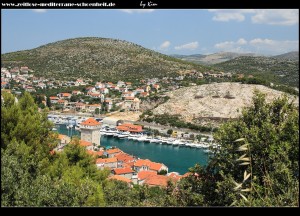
(177,158)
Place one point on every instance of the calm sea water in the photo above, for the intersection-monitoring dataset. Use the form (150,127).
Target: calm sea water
(177,159)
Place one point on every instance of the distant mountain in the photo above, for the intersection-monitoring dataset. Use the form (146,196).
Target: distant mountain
(290,55)
(212,58)
(97,58)
(279,70)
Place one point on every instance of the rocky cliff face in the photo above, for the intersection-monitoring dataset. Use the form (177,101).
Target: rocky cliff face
(218,101)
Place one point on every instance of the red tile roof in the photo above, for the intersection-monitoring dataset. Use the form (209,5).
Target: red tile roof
(120,178)
(126,158)
(120,171)
(90,122)
(85,143)
(145,174)
(130,128)
(113,151)
(187,174)
(61,101)
(148,163)
(62,136)
(65,94)
(174,176)
(106,160)
(129,98)
(95,153)
(157,180)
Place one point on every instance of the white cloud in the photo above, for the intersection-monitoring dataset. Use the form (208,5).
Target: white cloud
(165,45)
(225,17)
(276,17)
(258,16)
(189,46)
(232,46)
(273,47)
(241,41)
(39,10)
(258,45)
(130,11)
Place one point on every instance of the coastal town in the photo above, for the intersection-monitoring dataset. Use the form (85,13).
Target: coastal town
(123,167)
(91,97)
(74,109)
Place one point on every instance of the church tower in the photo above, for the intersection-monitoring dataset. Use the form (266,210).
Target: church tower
(90,131)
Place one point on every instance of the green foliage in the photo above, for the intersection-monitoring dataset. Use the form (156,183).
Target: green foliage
(33,177)
(272,133)
(162,172)
(92,58)
(281,71)
(170,131)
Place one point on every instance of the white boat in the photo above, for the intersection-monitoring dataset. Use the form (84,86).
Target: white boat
(77,128)
(170,141)
(155,140)
(142,138)
(148,139)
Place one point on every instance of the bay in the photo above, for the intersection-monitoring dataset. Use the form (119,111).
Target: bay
(177,159)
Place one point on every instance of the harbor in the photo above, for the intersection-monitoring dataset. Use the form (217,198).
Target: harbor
(177,158)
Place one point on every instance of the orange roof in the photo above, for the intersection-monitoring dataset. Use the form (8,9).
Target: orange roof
(157,180)
(94,94)
(120,171)
(145,174)
(53,98)
(61,101)
(148,163)
(113,151)
(130,128)
(66,94)
(94,105)
(174,176)
(187,174)
(95,153)
(126,158)
(120,178)
(90,122)
(62,136)
(85,143)
(129,98)
(106,160)
(100,153)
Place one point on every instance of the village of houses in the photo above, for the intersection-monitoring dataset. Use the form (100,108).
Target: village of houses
(123,166)
(127,99)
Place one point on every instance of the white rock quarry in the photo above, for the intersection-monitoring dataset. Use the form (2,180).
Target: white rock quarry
(208,100)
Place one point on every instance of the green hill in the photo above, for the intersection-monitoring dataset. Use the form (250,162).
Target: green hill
(97,58)
(277,70)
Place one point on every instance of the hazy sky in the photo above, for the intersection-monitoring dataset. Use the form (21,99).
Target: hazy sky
(196,31)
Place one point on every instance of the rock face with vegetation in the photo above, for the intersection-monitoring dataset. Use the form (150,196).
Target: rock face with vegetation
(97,58)
(212,101)
(281,70)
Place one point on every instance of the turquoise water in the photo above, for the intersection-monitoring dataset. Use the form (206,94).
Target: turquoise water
(177,159)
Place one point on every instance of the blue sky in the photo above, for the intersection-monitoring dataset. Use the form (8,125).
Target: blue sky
(196,31)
